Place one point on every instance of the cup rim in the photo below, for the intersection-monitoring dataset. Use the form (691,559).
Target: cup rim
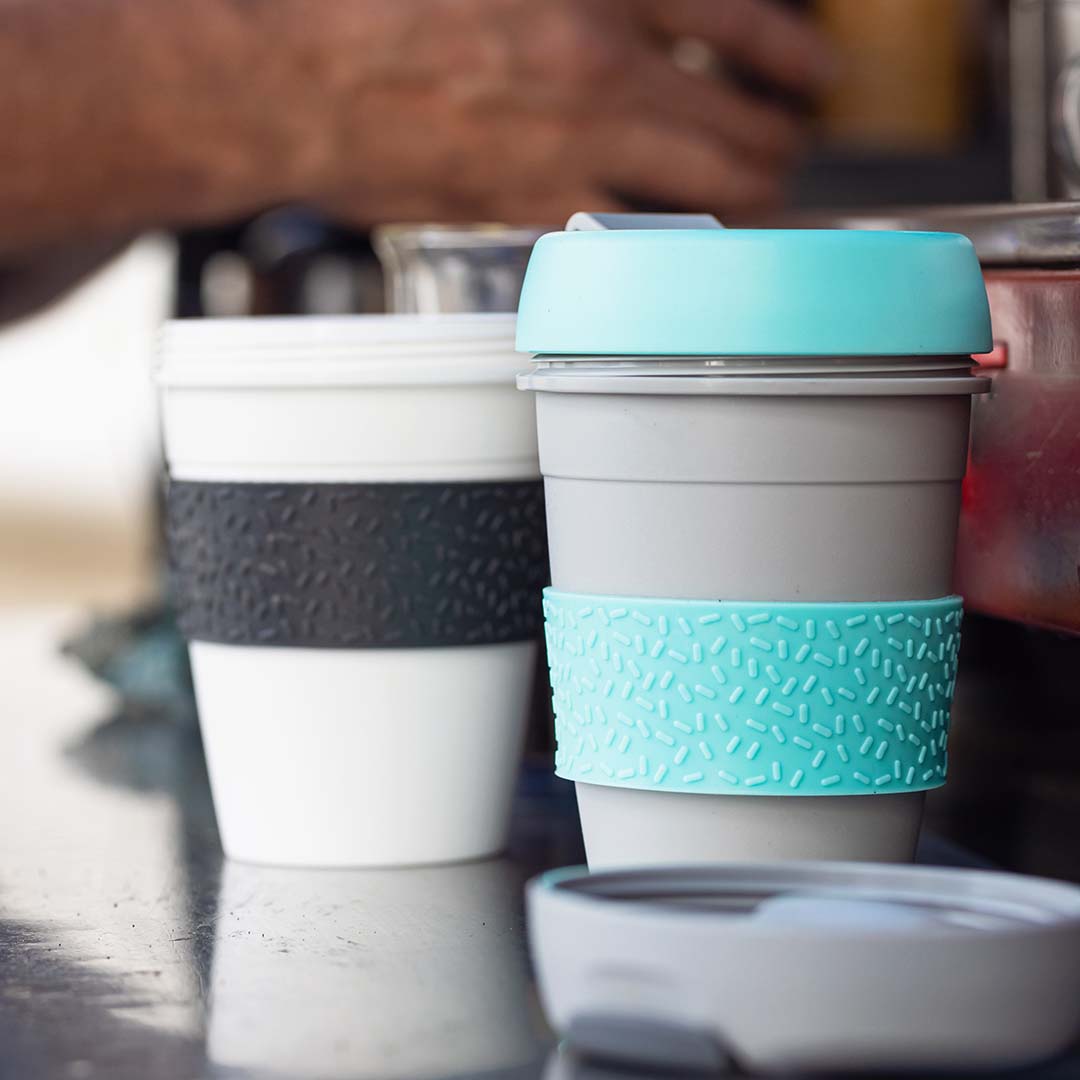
(799,385)
(333,351)
(755,366)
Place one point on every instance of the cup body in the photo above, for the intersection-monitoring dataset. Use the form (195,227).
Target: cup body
(300,744)
(748,491)
(355,526)
(815,487)
(628,827)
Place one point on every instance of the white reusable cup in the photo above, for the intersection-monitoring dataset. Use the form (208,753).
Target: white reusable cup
(355,520)
(752,444)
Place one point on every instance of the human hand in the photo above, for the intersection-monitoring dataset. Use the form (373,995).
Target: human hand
(520,110)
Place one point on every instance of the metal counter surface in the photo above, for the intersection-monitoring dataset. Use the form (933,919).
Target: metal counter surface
(130,950)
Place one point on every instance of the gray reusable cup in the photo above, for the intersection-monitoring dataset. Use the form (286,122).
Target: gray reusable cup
(752,445)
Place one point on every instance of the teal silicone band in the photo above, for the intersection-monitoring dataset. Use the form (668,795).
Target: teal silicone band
(729,697)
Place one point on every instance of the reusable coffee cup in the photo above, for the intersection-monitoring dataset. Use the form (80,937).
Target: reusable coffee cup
(752,445)
(370,974)
(357,545)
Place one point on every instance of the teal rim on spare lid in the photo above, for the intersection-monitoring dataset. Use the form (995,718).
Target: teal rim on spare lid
(753,292)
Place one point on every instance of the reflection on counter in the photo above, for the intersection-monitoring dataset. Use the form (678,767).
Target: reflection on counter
(371,973)
(128,950)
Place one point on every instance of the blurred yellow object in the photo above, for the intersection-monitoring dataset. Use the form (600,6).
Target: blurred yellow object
(905,74)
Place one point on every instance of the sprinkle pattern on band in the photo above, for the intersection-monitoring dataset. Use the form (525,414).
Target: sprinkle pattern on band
(358,565)
(760,699)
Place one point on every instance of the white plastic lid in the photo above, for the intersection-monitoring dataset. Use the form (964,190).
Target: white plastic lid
(809,965)
(338,350)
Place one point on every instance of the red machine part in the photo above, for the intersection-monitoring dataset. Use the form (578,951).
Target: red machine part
(1019,549)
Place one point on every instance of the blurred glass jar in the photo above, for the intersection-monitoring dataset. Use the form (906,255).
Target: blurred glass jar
(453,268)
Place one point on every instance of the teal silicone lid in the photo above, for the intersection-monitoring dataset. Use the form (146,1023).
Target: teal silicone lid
(753,292)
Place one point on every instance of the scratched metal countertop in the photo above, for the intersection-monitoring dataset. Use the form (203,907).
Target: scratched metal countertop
(130,950)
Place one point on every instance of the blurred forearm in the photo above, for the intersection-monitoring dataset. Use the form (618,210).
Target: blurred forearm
(122,114)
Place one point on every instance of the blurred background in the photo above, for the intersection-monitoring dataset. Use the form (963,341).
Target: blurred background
(921,115)
(945,113)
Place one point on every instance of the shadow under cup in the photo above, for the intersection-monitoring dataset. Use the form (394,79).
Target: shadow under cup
(357,544)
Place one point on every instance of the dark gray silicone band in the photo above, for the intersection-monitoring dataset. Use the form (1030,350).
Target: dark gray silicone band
(358,565)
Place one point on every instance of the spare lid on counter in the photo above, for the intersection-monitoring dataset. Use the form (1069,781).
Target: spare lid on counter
(815,966)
